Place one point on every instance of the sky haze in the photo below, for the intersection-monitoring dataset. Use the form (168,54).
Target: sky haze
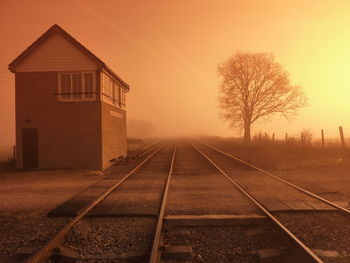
(168,51)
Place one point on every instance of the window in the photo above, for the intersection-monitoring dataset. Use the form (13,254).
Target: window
(107,89)
(112,93)
(76,86)
(116,95)
(89,85)
(65,86)
(122,101)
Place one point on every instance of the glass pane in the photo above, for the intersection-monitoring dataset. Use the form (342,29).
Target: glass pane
(65,86)
(105,85)
(77,86)
(122,99)
(110,90)
(116,96)
(88,85)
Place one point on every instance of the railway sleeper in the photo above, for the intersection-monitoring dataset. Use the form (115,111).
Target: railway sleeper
(176,253)
(70,255)
(271,255)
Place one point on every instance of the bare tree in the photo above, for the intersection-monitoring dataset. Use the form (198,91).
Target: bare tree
(254,86)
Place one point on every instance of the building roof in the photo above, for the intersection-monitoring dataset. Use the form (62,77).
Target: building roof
(57,29)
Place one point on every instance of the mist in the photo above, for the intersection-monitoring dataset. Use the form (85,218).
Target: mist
(169,55)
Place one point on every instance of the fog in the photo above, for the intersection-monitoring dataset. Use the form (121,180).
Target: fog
(169,52)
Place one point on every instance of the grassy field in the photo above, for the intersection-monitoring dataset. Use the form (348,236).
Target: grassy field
(279,155)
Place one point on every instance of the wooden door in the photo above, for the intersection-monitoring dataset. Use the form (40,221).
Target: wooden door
(30,148)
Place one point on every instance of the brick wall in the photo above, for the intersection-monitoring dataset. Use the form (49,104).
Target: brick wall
(114,142)
(69,133)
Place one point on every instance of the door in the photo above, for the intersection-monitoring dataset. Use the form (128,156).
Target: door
(30,148)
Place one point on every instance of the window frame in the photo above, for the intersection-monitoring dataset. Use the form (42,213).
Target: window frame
(71,98)
(106,78)
(122,99)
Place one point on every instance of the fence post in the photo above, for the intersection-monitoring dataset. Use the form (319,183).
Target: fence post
(302,139)
(322,134)
(273,137)
(14,153)
(286,137)
(341,136)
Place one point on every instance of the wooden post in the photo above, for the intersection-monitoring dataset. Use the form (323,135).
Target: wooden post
(341,136)
(14,153)
(322,134)
(302,139)
(286,137)
(273,137)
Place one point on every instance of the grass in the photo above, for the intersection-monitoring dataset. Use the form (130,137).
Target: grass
(137,145)
(278,155)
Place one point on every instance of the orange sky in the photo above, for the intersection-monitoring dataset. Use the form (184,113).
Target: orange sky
(168,51)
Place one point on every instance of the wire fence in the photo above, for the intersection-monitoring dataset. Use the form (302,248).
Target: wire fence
(304,138)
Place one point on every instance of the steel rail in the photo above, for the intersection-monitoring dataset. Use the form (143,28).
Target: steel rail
(343,209)
(155,255)
(46,251)
(152,147)
(308,253)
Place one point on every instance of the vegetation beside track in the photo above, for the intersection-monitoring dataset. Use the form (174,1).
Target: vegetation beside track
(278,155)
(138,145)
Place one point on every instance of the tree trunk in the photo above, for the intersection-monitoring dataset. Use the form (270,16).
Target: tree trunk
(247,137)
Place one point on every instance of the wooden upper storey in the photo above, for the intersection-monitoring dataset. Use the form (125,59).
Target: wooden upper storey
(58,51)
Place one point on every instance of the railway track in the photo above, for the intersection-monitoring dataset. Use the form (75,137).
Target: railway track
(155,167)
(206,214)
(192,182)
(312,223)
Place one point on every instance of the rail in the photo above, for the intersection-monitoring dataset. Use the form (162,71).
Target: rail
(343,209)
(46,251)
(309,255)
(155,255)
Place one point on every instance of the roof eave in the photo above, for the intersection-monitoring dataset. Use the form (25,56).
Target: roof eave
(117,78)
(57,28)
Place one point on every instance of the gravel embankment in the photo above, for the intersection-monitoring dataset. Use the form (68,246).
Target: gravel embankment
(225,243)
(323,231)
(22,234)
(111,236)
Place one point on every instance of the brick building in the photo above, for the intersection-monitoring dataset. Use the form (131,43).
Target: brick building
(70,107)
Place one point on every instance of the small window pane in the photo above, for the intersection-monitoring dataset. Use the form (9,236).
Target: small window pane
(104,84)
(122,99)
(65,86)
(88,85)
(109,90)
(116,95)
(107,94)
(77,86)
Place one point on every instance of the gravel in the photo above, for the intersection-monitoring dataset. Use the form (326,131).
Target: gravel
(326,231)
(225,243)
(102,236)
(22,233)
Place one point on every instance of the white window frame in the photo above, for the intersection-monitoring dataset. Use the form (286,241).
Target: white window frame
(71,98)
(106,78)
